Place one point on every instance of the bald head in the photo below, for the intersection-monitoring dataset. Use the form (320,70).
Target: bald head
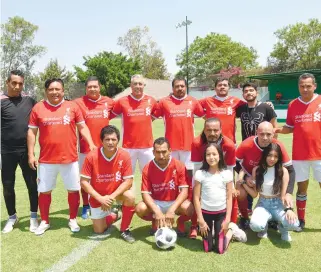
(265,134)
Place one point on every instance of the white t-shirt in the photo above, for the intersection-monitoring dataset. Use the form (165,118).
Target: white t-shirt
(267,186)
(213,189)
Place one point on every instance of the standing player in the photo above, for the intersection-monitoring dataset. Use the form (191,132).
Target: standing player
(304,121)
(178,112)
(165,188)
(248,155)
(95,110)
(15,112)
(56,120)
(107,176)
(136,112)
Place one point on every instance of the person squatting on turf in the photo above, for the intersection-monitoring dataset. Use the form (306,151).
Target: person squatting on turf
(15,112)
(165,186)
(213,201)
(56,120)
(107,176)
(270,181)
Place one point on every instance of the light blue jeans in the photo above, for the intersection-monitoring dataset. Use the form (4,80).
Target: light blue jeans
(270,209)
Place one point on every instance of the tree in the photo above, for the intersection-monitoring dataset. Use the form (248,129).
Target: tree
(298,47)
(18,50)
(208,56)
(113,71)
(139,45)
(54,70)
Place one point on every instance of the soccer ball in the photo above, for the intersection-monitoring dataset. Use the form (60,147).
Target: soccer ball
(165,238)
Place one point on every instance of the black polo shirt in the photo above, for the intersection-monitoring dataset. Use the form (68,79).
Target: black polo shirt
(15,112)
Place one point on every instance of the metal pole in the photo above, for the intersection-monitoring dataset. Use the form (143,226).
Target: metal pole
(187,68)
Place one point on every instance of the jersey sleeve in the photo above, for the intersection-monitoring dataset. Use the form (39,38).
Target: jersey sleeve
(230,156)
(127,170)
(146,187)
(79,119)
(240,152)
(270,113)
(227,176)
(158,109)
(198,109)
(117,109)
(286,159)
(196,155)
(182,177)
(87,168)
(33,119)
(289,117)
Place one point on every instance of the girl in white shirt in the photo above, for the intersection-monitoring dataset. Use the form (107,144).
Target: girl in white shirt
(271,180)
(213,201)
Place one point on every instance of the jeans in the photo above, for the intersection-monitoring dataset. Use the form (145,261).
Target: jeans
(270,209)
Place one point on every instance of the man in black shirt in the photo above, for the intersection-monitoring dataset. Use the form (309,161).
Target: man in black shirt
(253,112)
(15,111)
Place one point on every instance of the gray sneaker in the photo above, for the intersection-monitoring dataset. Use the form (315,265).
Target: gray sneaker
(128,236)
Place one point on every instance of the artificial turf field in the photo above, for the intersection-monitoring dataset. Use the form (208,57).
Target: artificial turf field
(60,250)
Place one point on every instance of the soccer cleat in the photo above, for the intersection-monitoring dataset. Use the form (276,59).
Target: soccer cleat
(263,234)
(33,224)
(85,212)
(193,232)
(153,229)
(128,236)
(301,226)
(10,224)
(73,225)
(238,234)
(244,223)
(42,228)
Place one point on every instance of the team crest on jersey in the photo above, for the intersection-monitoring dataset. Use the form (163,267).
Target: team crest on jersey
(120,164)
(174,173)
(190,102)
(66,118)
(171,184)
(148,101)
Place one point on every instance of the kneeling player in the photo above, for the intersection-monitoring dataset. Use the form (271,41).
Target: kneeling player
(107,176)
(165,187)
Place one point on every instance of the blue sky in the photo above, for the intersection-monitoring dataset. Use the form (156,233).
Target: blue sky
(72,29)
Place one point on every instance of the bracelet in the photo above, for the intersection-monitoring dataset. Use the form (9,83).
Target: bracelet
(288,209)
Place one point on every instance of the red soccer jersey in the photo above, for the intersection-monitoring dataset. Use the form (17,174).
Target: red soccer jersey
(227,145)
(225,110)
(249,154)
(136,120)
(164,184)
(178,115)
(105,174)
(57,130)
(96,115)
(305,119)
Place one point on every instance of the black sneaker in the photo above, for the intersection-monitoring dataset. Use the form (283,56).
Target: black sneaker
(273,225)
(244,223)
(301,226)
(127,236)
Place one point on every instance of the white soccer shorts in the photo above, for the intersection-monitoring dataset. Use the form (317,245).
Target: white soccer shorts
(81,160)
(302,170)
(163,205)
(142,155)
(98,213)
(184,157)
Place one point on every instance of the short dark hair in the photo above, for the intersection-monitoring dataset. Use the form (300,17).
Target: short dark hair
(249,84)
(51,80)
(91,78)
(221,163)
(178,79)
(160,141)
(107,130)
(209,120)
(15,73)
(220,79)
(307,75)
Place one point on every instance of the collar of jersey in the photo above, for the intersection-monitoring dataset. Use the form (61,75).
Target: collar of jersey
(163,169)
(180,99)
(136,98)
(256,142)
(222,99)
(306,103)
(57,104)
(94,100)
(109,160)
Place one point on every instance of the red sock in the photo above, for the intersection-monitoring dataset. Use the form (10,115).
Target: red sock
(180,222)
(128,213)
(110,219)
(84,196)
(301,201)
(44,205)
(194,220)
(148,217)
(235,210)
(243,208)
(73,201)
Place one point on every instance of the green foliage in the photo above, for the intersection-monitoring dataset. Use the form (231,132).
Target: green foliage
(139,45)
(113,71)
(207,56)
(298,47)
(18,50)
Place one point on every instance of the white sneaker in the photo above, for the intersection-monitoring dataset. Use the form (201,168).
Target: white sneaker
(42,228)
(9,225)
(33,224)
(238,234)
(263,234)
(73,225)
(285,236)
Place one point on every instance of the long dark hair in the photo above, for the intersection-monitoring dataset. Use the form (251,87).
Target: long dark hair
(221,163)
(262,169)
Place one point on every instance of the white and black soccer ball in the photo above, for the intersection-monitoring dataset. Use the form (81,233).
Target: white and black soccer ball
(165,238)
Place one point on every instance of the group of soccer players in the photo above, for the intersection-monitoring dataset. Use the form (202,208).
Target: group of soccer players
(104,172)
